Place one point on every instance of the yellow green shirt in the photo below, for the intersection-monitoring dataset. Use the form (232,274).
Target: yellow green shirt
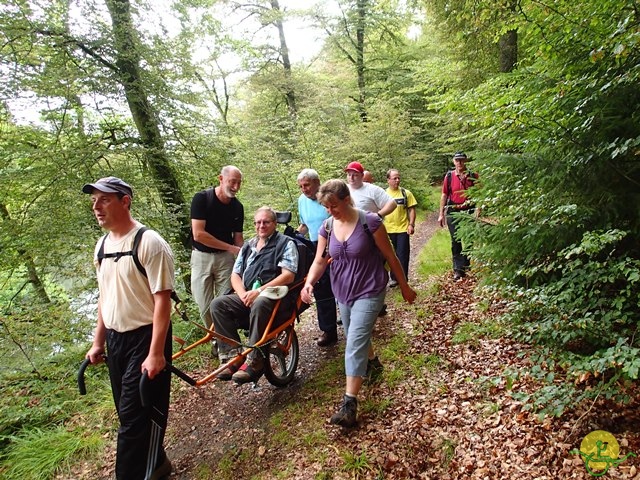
(398,220)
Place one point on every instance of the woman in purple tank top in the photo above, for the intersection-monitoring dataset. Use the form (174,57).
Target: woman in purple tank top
(358,246)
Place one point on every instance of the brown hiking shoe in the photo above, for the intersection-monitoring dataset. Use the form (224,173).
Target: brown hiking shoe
(228,372)
(327,339)
(251,371)
(163,471)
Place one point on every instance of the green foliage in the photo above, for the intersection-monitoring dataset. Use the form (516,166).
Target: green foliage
(594,301)
(39,454)
(559,230)
(356,464)
(447,450)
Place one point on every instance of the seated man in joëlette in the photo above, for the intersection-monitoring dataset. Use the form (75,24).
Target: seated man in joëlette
(270,259)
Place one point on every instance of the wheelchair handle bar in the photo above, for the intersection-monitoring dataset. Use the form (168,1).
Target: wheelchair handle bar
(144,380)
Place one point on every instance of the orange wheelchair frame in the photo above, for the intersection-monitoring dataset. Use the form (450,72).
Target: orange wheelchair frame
(279,345)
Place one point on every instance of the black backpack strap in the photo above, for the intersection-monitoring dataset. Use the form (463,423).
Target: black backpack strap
(100,254)
(118,255)
(134,254)
(136,259)
(134,250)
(328,226)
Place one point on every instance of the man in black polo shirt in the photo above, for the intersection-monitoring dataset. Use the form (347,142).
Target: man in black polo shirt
(217,218)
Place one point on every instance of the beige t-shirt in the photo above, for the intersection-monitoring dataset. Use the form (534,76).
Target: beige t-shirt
(126,295)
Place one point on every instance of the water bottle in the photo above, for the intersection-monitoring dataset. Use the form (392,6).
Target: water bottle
(256,284)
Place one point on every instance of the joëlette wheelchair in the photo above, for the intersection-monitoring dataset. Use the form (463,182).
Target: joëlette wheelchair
(279,342)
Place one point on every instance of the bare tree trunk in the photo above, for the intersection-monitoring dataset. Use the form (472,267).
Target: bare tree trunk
(144,116)
(508,51)
(284,51)
(360,32)
(508,45)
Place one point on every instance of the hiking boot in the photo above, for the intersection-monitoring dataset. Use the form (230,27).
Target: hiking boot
(226,374)
(458,275)
(327,339)
(346,416)
(163,471)
(251,371)
(374,370)
(393,283)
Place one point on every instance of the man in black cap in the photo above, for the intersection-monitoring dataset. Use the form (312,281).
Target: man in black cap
(134,310)
(452,200)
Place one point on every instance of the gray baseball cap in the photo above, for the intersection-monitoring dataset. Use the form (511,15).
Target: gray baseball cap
(109,185)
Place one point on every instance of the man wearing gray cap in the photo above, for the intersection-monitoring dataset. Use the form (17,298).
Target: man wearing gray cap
(134,309)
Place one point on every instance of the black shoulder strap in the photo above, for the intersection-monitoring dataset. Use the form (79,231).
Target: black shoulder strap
(209,193)
(449,184)
(404,196)
(328,226)
(134,250)
(101,249)
(134,254)
(118,255)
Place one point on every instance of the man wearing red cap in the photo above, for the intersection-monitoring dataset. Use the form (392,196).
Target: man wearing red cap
(367,196)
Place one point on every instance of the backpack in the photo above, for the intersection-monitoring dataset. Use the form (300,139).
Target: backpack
(405,201)
(133,253)
(306,252)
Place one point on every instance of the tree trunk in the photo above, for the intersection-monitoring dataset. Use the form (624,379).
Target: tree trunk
(360,31)
(144,116)
(284,51)
(508,51)
(27,260)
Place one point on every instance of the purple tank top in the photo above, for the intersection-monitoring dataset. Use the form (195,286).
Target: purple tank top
(357,265)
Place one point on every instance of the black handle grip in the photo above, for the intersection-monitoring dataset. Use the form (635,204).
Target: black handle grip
(144,383)
(144,389)
(81,385)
